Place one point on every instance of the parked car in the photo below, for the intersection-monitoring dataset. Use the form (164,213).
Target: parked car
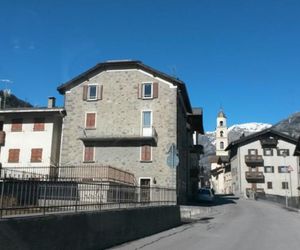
(205,195)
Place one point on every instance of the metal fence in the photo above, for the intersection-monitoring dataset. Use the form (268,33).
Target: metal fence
(23,197)
(70,173)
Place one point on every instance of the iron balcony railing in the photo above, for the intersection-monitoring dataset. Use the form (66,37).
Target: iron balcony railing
(254,160)
(34,197)
(255,176)
(70,173)
(269,142)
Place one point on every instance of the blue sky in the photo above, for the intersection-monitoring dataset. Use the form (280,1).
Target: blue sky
(243,55)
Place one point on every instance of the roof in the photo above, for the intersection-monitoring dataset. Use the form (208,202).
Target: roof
(221,114)
(297,150)
(256,136)
(33,110)
(125,64)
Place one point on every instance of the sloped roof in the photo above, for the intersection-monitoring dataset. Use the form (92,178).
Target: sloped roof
(297,150)
(125,64)
(256,136)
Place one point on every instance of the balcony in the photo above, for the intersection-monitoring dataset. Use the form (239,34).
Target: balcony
(269,142)
(2,138)
(148,136)
(197,149)
(257,190)
(255,176)
(254,160)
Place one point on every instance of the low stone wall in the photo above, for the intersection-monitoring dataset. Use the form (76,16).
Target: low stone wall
(93,230)
(293,202)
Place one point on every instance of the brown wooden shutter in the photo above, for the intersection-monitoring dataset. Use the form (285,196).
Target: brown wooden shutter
(100,92)
(13,155)
(36,154)
(90,120)
(140,91)
(85,92)
(89,154)
(155,90)
(16,125)
(146,153)
(39,124)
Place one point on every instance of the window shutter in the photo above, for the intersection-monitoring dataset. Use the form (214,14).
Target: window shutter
(13,155)
(89,154)
(36,154)
(90,120)
(100,92)
(155,90)
(146,153)
(140,91)
(85,91)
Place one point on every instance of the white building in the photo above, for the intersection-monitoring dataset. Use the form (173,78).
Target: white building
(220,168)
(264,163)
(30,141)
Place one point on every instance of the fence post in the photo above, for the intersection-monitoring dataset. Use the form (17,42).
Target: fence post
(119,194)
(44,205)
(2,197)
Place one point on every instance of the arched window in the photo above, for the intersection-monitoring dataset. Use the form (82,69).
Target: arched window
(221,133)
(221,123)
(221,145)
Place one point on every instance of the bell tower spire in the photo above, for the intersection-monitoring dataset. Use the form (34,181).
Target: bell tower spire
(221,134)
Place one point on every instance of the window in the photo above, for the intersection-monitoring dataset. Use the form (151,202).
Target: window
(269,169)
(283,152)
(269,185)
(147,123)
(90,120)
(92,92)
(282,169)
(221,123)
(13,155)
(36,155)
(146,153)
(268,151)
(285,185)
(16,125)
(221,145)
(252,151)
(221,133)
(39,124)
(147,90)
(89,154)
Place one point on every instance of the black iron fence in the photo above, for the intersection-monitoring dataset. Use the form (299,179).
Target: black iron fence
(22,197)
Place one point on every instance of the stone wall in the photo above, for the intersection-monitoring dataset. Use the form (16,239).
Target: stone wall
(95,230)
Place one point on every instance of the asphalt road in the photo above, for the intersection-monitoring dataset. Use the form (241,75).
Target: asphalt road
(232,225)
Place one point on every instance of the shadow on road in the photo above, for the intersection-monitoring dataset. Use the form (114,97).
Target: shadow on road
(218,201)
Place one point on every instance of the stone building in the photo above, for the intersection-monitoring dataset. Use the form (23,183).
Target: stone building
(127,115)
(263,163)
(30,141)
(220,167)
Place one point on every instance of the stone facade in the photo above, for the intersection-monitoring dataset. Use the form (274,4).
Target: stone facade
(119,116)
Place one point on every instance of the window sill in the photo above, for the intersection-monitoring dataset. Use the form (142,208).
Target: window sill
(146,161)
(88,162)
(90,128)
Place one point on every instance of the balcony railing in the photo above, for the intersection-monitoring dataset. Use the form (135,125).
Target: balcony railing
(255,176)
(137,138)
(2,138)
(257,190)
(269,142)
(70,173)
(254,160)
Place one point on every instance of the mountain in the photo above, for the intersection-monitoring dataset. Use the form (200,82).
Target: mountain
(290,125)
(12,101)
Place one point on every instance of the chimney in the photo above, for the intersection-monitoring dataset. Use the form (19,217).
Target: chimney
(51,102)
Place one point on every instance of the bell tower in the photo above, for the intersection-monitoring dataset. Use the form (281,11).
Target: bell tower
(221,134)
